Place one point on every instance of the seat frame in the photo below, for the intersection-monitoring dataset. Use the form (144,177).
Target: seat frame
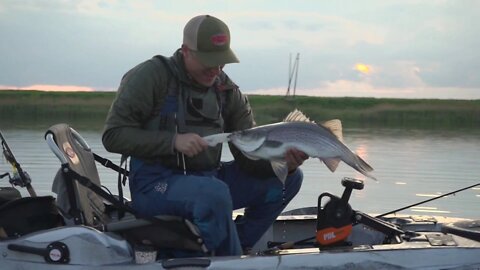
(81,199)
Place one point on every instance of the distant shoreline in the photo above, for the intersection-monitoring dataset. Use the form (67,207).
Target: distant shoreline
(29,107)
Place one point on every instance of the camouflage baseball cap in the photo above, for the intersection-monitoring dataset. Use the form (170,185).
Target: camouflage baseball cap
(209,38)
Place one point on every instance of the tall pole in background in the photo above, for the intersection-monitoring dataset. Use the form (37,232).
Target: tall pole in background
(297,60)
(292,74)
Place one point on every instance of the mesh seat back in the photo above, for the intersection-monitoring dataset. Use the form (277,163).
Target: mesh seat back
(80,159)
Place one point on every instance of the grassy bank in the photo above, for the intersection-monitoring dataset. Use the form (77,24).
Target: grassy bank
(40,109)
(88,109)
(359,112)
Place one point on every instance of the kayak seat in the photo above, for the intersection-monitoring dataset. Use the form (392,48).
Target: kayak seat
(82,200)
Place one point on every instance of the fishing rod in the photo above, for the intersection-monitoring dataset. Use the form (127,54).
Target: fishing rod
(290,244)
(20,177)
(428,200)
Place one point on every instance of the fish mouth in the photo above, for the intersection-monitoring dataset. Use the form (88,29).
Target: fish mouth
(214,139)
(232,135)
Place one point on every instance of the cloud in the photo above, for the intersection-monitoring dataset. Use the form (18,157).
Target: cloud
(52,88)
(404,44)
(344,88)
(306,29)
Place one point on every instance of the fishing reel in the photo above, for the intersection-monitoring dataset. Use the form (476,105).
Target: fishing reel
(20,177)
(334,219)
(21,180)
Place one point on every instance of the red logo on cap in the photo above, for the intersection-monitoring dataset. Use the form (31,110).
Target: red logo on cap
(219,39)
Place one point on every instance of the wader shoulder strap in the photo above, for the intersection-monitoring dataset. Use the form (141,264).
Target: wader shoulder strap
(122,177)
(109,164)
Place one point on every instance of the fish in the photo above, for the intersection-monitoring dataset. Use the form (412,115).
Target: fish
(271,142)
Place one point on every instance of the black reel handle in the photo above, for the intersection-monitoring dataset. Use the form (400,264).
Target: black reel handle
(337,211)
(350,184)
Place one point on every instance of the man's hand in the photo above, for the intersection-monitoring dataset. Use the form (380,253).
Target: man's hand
(190,144)
(294,158)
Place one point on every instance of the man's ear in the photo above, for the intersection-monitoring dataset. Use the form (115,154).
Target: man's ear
(185,50)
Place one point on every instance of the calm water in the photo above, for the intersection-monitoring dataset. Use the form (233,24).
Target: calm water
(411,166)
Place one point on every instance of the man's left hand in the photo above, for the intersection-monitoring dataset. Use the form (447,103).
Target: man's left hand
(294,158)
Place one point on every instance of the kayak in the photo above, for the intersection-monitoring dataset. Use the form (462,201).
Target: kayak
(85,227)
(430,243)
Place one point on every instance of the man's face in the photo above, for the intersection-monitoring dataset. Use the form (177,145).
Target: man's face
(201,74)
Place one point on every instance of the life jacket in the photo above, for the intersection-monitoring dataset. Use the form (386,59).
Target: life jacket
(185,110)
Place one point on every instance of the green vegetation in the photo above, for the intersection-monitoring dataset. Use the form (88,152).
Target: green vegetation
(42,109)
(89,109)
(360,112)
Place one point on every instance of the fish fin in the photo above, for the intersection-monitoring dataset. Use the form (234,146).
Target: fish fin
(250,156)
(363,167)
(335,126)
(248,146)
(297,116)
(280,169)
(215,139)
(331,163)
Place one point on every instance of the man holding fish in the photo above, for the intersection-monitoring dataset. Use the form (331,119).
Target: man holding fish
(164,108)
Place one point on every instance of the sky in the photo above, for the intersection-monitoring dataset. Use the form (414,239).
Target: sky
(370,48)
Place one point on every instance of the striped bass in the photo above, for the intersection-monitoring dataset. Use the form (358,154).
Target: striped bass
(270,142)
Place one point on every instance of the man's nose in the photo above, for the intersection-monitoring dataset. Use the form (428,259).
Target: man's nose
(215,70)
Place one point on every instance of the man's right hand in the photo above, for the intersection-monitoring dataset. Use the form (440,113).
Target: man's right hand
(190,144)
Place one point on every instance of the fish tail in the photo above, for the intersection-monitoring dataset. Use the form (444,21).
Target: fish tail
(364,168)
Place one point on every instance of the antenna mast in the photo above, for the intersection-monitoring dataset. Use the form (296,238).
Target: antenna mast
(292,74)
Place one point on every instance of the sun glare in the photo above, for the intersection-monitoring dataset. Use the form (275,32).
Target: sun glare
(362,151)
(365,69)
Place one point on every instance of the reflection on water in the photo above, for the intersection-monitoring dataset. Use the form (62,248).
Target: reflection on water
(411,166)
